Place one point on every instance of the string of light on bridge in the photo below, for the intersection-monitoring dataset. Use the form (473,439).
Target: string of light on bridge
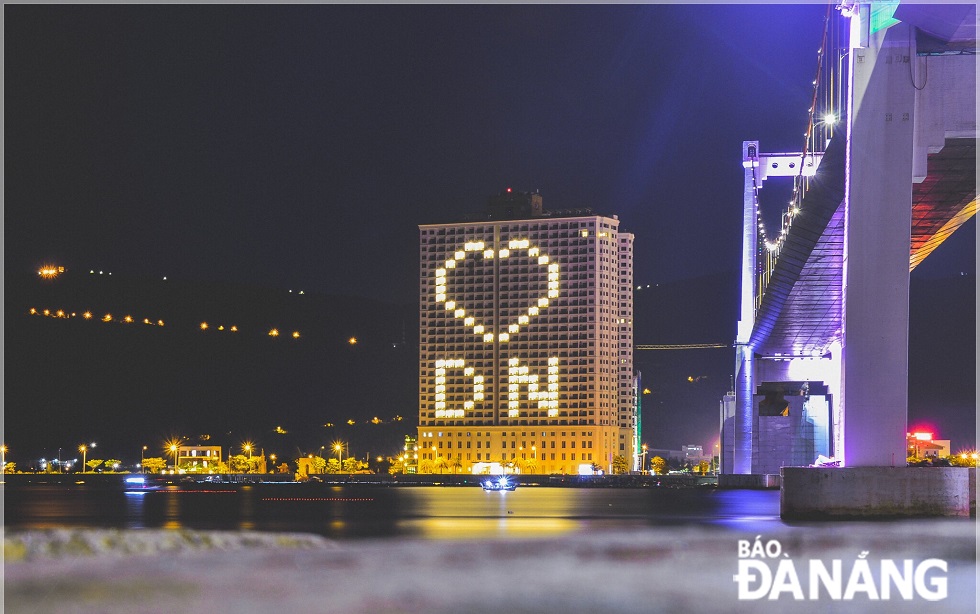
(820,128)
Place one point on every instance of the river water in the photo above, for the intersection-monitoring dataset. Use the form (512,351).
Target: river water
(357,511)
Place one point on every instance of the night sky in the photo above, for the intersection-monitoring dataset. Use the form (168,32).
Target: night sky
(300,146)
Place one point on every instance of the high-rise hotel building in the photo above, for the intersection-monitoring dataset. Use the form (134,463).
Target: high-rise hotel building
(526,342)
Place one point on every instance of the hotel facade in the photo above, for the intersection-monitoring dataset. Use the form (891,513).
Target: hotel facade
(526,342)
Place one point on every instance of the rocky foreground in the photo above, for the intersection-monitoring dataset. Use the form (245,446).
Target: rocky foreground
(679,569)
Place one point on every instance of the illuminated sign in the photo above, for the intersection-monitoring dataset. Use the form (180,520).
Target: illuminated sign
(537,383)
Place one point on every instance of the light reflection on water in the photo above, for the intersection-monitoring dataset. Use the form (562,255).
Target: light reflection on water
(430,512)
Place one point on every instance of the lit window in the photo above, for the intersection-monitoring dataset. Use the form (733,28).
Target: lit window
(504,253)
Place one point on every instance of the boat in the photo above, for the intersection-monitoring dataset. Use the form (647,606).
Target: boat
(499,484)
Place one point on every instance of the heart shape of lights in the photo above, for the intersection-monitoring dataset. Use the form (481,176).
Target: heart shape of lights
(479,249)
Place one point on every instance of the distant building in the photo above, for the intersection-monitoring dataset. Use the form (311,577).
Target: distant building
(198,458)
(526,341)
(410,455)
(922,446)
(693,453)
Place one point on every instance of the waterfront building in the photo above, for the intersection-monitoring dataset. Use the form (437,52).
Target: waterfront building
(198,458)
(526,342)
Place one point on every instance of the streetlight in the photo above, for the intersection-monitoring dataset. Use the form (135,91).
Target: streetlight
(84,450)
(174,448)
(643,462)
(272,457)
(142,460)
(339,448)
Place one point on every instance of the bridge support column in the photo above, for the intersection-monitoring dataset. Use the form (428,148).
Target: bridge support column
(878,201)
(745,429)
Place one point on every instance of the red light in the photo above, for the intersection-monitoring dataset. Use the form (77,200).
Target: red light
(508,190)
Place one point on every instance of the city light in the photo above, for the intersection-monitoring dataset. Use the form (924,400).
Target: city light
(50,272)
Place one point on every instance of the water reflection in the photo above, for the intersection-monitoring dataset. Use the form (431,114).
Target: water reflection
(430,512)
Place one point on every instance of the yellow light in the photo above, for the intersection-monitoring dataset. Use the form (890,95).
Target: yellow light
(274,332)
(50,272)
(159,322)
(146,320)
(87,315)
(33,311)
(221,328)
(47,312)
(128,319)
(204,325)
(295,334)
(107,317)
(233,329)
(352,341)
